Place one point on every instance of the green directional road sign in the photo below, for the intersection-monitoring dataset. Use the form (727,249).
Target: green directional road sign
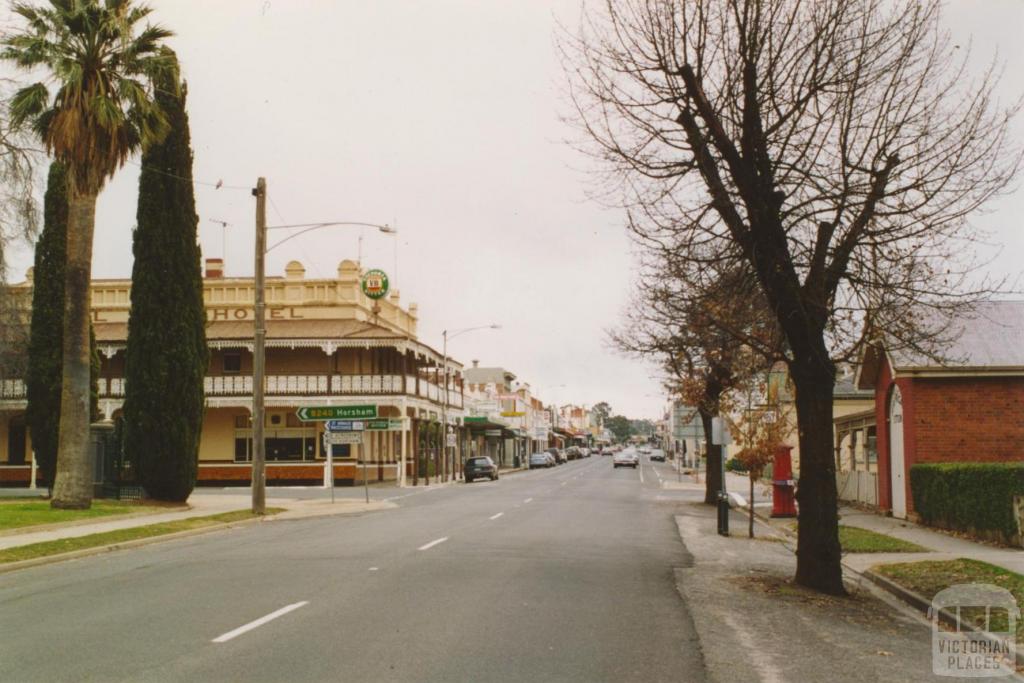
(384,425)
(324,413)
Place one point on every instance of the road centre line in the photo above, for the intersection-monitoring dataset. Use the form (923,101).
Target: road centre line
(428,546)
(527,500)
(259,622)
(641,470)
(497,515)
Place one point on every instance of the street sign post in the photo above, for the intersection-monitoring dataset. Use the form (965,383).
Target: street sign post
(337,438)
(345,425)
(385,425)
(325,413)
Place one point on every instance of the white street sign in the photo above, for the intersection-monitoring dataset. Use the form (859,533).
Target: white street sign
(335,438)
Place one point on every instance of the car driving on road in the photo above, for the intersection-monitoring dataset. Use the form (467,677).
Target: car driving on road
(657,454)
(626,458)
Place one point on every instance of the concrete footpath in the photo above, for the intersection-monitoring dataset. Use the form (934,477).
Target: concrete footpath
(755,624)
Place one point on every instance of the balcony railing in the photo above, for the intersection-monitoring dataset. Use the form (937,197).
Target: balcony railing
(12,389)
(285,385)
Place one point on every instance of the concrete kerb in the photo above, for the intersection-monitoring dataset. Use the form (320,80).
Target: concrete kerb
(923,606)
(882,587)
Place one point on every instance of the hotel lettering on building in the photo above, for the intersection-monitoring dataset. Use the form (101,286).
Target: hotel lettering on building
(328,344)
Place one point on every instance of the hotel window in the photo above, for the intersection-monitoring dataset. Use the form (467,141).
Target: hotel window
(232,362)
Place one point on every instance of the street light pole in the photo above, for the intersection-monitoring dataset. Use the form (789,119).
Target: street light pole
(259,476)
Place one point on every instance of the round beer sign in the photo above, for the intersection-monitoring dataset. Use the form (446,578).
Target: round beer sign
(375,284)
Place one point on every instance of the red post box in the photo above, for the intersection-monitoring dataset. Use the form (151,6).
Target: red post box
(783,486)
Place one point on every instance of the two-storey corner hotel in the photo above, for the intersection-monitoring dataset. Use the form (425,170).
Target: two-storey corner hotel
(327,344)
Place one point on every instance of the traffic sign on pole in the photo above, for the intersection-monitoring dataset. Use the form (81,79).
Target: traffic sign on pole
(385,425)
(336,438)
(325,413)
(345,425)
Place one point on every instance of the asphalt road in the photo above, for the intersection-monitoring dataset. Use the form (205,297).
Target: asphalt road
(564,574)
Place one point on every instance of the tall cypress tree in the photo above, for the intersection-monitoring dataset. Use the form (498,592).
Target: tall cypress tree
(167,356)
(43,378)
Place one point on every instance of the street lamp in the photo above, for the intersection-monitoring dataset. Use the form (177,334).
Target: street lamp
(259,476)
(444,404)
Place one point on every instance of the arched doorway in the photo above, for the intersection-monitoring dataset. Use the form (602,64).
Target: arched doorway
(897,470)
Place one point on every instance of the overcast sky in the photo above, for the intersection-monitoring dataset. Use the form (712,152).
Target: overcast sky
(442,118)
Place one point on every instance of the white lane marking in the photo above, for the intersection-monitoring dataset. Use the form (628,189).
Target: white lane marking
(428,546)
(373,569)
(641,468)
(497,515)
(563,483)
(259,622)
(527,500)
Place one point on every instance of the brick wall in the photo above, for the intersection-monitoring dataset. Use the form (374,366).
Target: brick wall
(978,419)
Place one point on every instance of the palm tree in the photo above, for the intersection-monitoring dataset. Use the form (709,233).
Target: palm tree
(101,65)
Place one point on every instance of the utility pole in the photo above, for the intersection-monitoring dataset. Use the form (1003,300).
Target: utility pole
(259,476)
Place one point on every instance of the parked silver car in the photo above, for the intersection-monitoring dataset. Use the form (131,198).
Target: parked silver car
(541,460)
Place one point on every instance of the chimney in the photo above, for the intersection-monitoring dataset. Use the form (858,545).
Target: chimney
(476,363)
(214,268)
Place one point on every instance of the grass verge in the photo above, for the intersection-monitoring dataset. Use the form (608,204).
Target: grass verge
(22,513)
(856,540)
(67,545)
(931,576)
(853,539)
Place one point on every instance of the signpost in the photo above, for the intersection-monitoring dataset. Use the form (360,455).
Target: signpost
(344,425)
(338,438)
(385,425)
(326,413)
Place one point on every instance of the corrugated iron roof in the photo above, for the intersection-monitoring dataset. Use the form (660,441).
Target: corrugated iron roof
(990,335)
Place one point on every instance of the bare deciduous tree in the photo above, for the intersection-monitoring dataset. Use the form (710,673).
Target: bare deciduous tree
(838,147)
(707,341)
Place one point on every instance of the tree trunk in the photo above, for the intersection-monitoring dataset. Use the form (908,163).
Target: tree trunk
(73,483)
(818,552)
(713,478)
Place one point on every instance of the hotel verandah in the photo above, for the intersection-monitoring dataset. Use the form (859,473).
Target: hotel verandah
(327,344)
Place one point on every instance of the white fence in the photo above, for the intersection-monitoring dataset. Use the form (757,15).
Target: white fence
(858,486)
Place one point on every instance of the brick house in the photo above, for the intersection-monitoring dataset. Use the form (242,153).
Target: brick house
(969,407)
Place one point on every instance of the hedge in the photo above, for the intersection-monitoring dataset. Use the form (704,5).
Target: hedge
(968,496)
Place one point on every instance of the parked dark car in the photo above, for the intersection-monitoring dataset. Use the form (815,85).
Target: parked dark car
(573,453)
(480,467)
(558,454)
